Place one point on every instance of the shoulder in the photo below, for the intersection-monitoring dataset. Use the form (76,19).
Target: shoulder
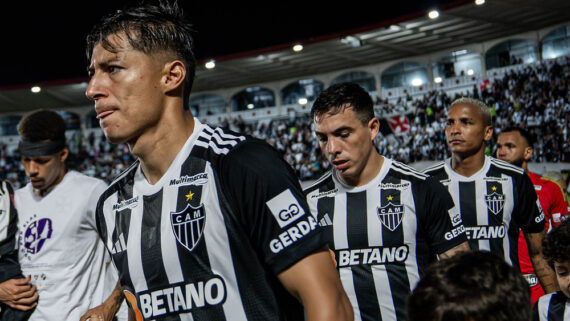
(435,169)
(506,168)
(406,172)
(81,179)
(323,181)
(124,179)
(216,141)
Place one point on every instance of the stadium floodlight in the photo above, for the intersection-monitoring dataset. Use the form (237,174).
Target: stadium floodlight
(210,64)
(437,80)
(303,101)
(417,82)
(470,72)
(250,106)
(298,47)
(433,14)
(36,89)
(479,2)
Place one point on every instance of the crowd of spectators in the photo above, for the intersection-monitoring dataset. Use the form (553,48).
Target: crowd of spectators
(535,96)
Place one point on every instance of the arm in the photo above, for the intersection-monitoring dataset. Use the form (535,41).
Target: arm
(315,283)
(541,268)
(463,247)
(19,294)
(108,309)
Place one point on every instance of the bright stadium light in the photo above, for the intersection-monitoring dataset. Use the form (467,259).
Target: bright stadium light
(303,101)
(479,2)
(470,72)
(433,14)
(416,82)
(437,80)
(250,106)
(298,47)
(36,89)
(210,64)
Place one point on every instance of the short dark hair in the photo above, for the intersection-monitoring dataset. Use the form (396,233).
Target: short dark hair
(556,244)
(150,29)
(340,96)
(471,286)
(524,133)
(42,125)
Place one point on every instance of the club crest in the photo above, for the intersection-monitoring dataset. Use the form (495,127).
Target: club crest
(495,202)
(188,225)
(390,215)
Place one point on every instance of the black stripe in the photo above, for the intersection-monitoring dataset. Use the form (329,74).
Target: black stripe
(357,231)
(195,264)
(325,206)
(151,249)
(398,280)
(468,208)
(556,307)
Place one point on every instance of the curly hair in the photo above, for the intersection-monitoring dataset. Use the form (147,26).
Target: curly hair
(472,286)
(556,244)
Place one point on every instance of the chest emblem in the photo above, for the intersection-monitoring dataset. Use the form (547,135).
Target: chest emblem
(495,201)
(188,225)
(36,234)
(390,214)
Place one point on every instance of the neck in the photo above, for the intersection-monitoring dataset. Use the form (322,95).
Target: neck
(468,165)
(524,166)
(157,147)
(44,192)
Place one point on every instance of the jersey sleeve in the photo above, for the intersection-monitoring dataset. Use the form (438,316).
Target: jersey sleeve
(8,219)
(558,208)
(98,188)
(442,220)
(528,212)
(268,202)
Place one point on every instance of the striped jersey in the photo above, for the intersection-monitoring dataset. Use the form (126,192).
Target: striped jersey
(494,203)
(384,234)
(8,221)
(207,241)
(552,307)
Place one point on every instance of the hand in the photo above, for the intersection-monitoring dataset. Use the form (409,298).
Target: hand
(98,313)
(19,294)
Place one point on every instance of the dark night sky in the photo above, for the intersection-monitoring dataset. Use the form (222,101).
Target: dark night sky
(44,41)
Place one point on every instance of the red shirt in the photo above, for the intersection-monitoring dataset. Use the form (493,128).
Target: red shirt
(554,207)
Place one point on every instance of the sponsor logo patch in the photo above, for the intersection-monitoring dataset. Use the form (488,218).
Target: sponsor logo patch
(455,216)
(401,186)
(285,208)
(130,203)
(371,256)
(188,225)
(294,233)
(36,234)
(486,232)
(531,279)
(198,179)
(330,193)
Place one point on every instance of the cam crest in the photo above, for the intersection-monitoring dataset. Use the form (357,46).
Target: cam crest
(188,225)
(390,215)
(495,202)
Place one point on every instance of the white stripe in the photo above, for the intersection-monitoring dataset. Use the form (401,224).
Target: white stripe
(482,212)
(507,166)
(420,176)
(5,218)
(221,141)
(226,135)
(313,203)
(566,311)
(348,285)
(543,304)
(507,215)
(109,216)
(134,245)
(322,178)
(168,241)
(133,166)
(434,167)
(409,168)
(409,228)
(374,225)
(384,297)
(340,235)
(219,253)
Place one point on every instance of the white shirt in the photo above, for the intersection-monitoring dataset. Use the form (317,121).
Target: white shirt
(59,247)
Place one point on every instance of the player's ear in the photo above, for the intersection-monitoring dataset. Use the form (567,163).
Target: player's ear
(63,154)
(488,133)
(374,127)
(174,73)
(528,153)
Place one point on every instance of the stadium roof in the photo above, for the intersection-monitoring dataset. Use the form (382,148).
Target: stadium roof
(459,23)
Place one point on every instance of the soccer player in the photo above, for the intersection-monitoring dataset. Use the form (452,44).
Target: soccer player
(495,198)
(207,224)
(384,221)
(514,145)
(556,306)
(475,286)
(17,295)
(59,247)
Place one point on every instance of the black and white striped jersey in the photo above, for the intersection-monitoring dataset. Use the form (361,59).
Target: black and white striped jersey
(8,222)
(207,241)
(494,203)
(552,307)
(384,234)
